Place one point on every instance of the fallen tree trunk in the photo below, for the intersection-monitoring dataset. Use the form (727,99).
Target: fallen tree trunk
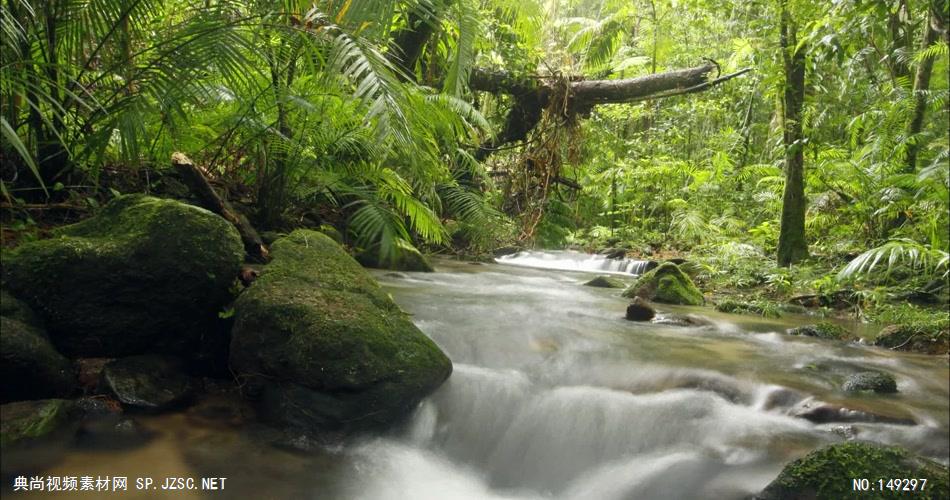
(533,95)
(199,185)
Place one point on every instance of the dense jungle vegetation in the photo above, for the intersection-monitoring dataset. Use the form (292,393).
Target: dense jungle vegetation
(783,147)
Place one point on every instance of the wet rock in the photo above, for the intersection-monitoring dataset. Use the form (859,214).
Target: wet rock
(501,252)
(322,347)
(407,258)
(614,253)
(398,275)
(30,367)
(668,284)
(90,373)
(144,275)
(822,413)
(148,382)
(605,282)
(823,330)
(640,310)
(870,381)
(25,421)
(827,473)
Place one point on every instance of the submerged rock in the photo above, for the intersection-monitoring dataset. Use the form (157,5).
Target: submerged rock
(640,310)
(322,347)
(870,381)
(605,282)
(682,320)
(23,421)
(822,413)
(827,473)
(148,382)
(29,365)
(668,284)
(145,274)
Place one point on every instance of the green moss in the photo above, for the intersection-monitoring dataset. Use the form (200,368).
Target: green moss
(14,308)
(319,330)
(823,330)
(27,420)
(761,308)
(930,337)
(30,365)
(406,258)
(143,273)
(667,283)
(828,472)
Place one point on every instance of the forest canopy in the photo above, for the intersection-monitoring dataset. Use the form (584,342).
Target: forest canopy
(795,128)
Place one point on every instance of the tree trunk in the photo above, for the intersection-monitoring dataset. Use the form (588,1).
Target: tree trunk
(935,24)
(409,41)
(792,246)
(198,184)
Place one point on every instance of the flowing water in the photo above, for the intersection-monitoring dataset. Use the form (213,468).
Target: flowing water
(575,261)
(555,396)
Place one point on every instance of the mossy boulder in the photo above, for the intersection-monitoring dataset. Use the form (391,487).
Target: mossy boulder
(827,473)
(668,284)
(870,381)
(14,308)
(145,274)
(24,421)
(322,347)
(605,282)
(822,330)
(926,338)
(29,365)
(406,258)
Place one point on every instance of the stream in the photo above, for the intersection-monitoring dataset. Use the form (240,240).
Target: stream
(555,396)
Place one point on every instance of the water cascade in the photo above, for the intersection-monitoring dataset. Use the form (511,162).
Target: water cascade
(576,261)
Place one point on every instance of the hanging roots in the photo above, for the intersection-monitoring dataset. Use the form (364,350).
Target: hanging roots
(535,170)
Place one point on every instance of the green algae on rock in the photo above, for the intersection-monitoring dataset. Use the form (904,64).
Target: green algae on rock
(325,346)
(144,275)
(828,473)
(24,421)
(667,284)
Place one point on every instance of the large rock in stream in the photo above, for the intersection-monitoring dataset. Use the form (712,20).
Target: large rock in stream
(828,473)
(144,275)
(29,365)
(322,347)
(668,284)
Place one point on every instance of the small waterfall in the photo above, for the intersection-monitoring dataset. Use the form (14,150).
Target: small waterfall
(576,261)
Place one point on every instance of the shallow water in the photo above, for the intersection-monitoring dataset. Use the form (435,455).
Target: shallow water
(554,395)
